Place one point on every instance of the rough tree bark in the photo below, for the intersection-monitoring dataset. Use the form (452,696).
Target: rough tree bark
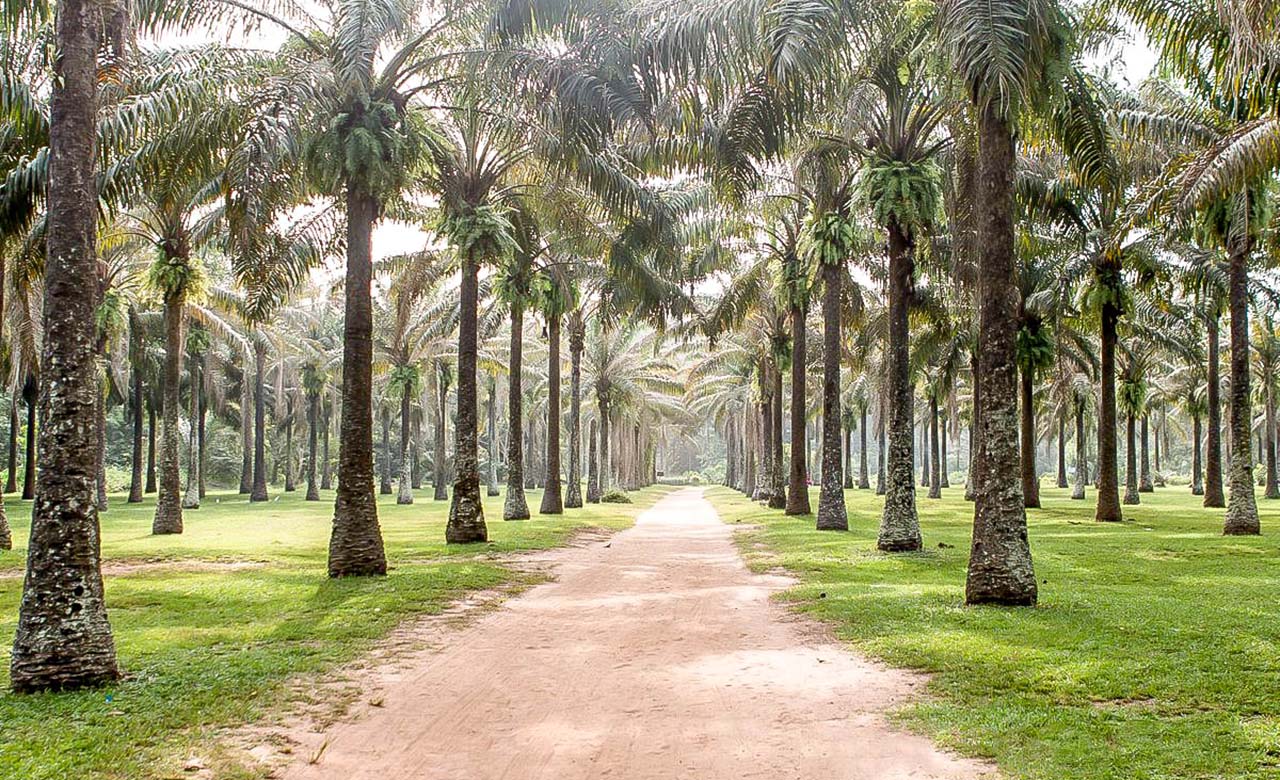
(466,512)
(258,492)
(313,416)
(1242,508)
(168,516)
(593,467)
(577,340)
(1082,476)
(355,544)
(798,472)
(246,431)
(1213,493)
(64,639)
(935,469)
(1108,507)
(1197,473)
(405,495)
(1027,448)
(552,497)
(1131,460)
(1000,569)
(832,513)
(515,506)
(1145,484)
(899,524)
(439,461)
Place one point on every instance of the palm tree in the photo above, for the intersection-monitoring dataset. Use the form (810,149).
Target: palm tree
(64,639)
(557,298)
(1000,52)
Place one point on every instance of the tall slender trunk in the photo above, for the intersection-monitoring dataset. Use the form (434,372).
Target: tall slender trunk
(191,499)
(1157,474)
(764,481)
(577,340)
(29,461)
(832,513)
(778,498)
(259,489)
(136,402)
(971,480)
(440,478)
(798,472)
(415,454)
(924,454)
(384,462)
(1082,470)
(935,468)
(848,458)
(405,496)
(593,467)
(1213,493)
(15,422)
(863,482)
(466,512)
(492,437)
(289,485)
(1242,508)
(515,507)
(602,402)
(1108,508)
(355,546)
(168,517)
(1131,460)
(64,639)
(943,479)
(246,431)
(881,486)
(151,449)
(1062,451)
(1030,475)
(326,478)
(201,430)
(1269,442)
(1000,568)
(1197,475)
(899,524)
(313,415)
(552,498)
(1145,485)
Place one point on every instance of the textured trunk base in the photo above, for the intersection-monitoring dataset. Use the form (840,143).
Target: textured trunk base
(552,502)
(466,515)
(515,507)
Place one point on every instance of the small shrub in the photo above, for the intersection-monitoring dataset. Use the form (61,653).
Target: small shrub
(615,496)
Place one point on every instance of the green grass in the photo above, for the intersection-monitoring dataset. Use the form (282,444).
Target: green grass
(210,648)
(1154,653)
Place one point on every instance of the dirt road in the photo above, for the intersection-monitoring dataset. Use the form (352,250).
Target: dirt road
(657,656)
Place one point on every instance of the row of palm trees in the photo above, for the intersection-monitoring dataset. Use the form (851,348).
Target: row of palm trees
(708,169)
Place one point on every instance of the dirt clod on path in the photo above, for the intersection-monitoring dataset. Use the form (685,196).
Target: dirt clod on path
(657,657)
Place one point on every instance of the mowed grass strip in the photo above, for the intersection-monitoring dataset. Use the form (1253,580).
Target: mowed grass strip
(211,646)
(1154,653)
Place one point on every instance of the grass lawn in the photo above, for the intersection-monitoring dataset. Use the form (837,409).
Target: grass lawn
(1154,653)
(210,647)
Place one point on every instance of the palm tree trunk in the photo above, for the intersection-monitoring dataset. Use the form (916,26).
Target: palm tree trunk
(15,422)
(924,454)
(405,496)
(1273,490)
(1030,475)
(201,451)
(151,448)
(943,479)
(1000,569)
(935,469)
(415,455)
(29,461)
(606,461)
(289,485)
(798,473)
(1242,508)
(135,409)
(593,467)
(64,639)
(832,513)
(246,432)
(765,483)
(355,546)
(1082,470)
(1131,460)
(863,482)
(1062,452)
(492,440)
(439,480)
(326,479)
(1197,478)
(577,340)
(899,524)
(515,507)
(778,499)
(384,464)
(1157,473)
(848,458)
(1145,485)
(881,486)
(466,513)
(168,517)
(313,414)
(1213,493)
(191,499)
(552,498)
(1108,508)
(971,480)
(259,489)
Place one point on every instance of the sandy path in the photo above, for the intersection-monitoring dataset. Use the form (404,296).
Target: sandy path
(658,656)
